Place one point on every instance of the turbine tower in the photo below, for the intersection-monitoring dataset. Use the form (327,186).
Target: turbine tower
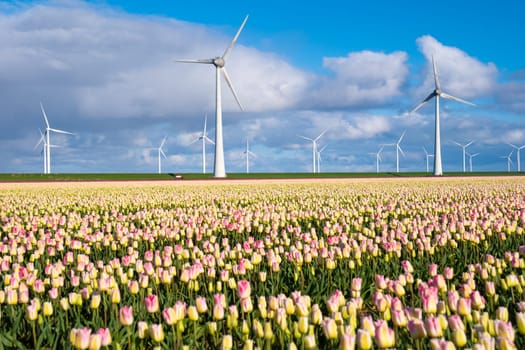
(219,62)
(427,156)
(518,149)
(248,154)
(314,147)
(42,141)
(47,140)
(509,161)
(464,147)
(398,149)
(319,158)
(470,156)
(437,93)
(161,154)
(204,137)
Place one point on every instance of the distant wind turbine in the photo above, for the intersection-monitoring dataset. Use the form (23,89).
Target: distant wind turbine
(161,154)
(509,161)
(204,137)
(470,156)
(427,157)
(219,63)
(248,154)
(378,157)
(437,93)
(319,158)
(518,149)
(314,147)
(398,149)
(464,147)
(47,143)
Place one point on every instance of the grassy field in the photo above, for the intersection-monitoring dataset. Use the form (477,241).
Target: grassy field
(192,176)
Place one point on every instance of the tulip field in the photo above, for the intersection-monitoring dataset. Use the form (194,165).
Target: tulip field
(376,264)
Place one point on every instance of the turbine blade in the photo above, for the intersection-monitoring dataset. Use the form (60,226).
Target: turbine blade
(164,155)
(475,154)
(163,142)
(428,98)
(234,40)
(470,143)
(436,78)
(192,142)
(205,122)
(209,140)
(450,97)
(44,114)
(321,134)
(61,131)
(457,143)
(401,150)
(381,149)
(306,138)
(425,150)
(229,82)
(41,140)
(401,138)
(199,60)
(511,145)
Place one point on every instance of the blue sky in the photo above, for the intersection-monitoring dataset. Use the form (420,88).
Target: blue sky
(105,70)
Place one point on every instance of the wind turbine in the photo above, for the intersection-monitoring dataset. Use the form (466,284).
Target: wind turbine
(427,156)
(398,149)
(319,158)
(518,149)
(248,154)
(378,157)
(161,153)
(437,93)
(204,137)
(314,147)
(464,147)
(470,156)
(219,63)
(47,141)
(509,161)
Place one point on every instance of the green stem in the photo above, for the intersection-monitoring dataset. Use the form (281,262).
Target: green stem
(34,334)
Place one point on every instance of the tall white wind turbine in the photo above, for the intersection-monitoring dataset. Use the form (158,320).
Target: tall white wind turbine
(161,154)
(509,161)
(518,149)
(398,149)
(204,138)
(427,157)
(47,140)
(464,147)
(378,157)
(219,63)
(314,147)
(437,93)
(470,156)
(248,155)
(318,153)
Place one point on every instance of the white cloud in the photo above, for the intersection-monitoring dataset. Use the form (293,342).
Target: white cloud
(362,78)
(458,72)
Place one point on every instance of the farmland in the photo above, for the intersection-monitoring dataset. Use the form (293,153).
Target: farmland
(343,263)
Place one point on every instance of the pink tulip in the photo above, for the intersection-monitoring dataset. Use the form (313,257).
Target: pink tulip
(152,303)
(169,316)
(417,329)
(105,336)
(433,327)
(384,336)
(126,315)
(202,306)
(243,289)
(82,338)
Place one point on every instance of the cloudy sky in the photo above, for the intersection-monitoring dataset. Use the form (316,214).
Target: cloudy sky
(106,71)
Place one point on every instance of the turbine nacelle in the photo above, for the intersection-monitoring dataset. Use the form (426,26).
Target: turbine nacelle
(219,62)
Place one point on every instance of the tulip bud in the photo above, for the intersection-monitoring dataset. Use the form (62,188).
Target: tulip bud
(156,333)
(364,339)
